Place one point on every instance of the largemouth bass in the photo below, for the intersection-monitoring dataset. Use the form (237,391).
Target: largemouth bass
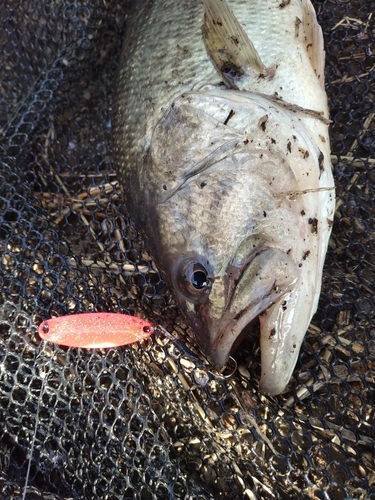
(222,146)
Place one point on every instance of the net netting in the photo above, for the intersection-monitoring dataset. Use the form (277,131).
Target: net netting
(150,421)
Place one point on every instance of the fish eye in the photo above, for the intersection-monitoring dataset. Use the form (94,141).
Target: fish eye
(199,279)
(195,279)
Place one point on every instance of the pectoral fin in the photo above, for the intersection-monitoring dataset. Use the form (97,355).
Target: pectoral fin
(227,43)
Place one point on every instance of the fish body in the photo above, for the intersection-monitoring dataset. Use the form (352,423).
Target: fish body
(221,144)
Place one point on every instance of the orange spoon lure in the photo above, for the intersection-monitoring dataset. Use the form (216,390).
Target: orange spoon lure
(95,330)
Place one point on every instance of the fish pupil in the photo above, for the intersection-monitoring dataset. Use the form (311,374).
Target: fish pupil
(199,280)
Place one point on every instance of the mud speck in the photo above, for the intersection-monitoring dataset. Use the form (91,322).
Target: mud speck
(306,254)
(262,122)
(321,161)
(314,224)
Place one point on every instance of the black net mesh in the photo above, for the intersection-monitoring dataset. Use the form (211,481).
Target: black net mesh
(150,421)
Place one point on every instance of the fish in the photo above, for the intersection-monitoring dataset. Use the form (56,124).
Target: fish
(221,144)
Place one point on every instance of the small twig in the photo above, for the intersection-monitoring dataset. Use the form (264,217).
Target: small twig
(358,162)
(348,79)
(246,408)
(363,132)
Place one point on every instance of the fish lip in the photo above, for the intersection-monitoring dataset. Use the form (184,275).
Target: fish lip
(267,283)
(218,356)
(220,351)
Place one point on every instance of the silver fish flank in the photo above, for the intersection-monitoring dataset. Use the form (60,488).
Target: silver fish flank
(221,144)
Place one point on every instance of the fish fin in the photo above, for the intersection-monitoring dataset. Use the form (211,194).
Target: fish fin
(314,39)
(227,43)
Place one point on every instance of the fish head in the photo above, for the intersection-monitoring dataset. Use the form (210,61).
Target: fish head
(225,276)
(221,306)
(230,229)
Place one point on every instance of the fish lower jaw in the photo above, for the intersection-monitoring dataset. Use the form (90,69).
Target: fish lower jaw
(279,346)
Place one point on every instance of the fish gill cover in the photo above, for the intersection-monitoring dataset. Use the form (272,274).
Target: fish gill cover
(151,421)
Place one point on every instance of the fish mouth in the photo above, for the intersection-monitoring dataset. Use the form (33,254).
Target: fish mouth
(261,288)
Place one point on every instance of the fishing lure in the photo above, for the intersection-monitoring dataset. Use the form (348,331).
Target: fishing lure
(95,330)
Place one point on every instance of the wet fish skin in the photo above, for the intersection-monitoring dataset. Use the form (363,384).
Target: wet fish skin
(231,186)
